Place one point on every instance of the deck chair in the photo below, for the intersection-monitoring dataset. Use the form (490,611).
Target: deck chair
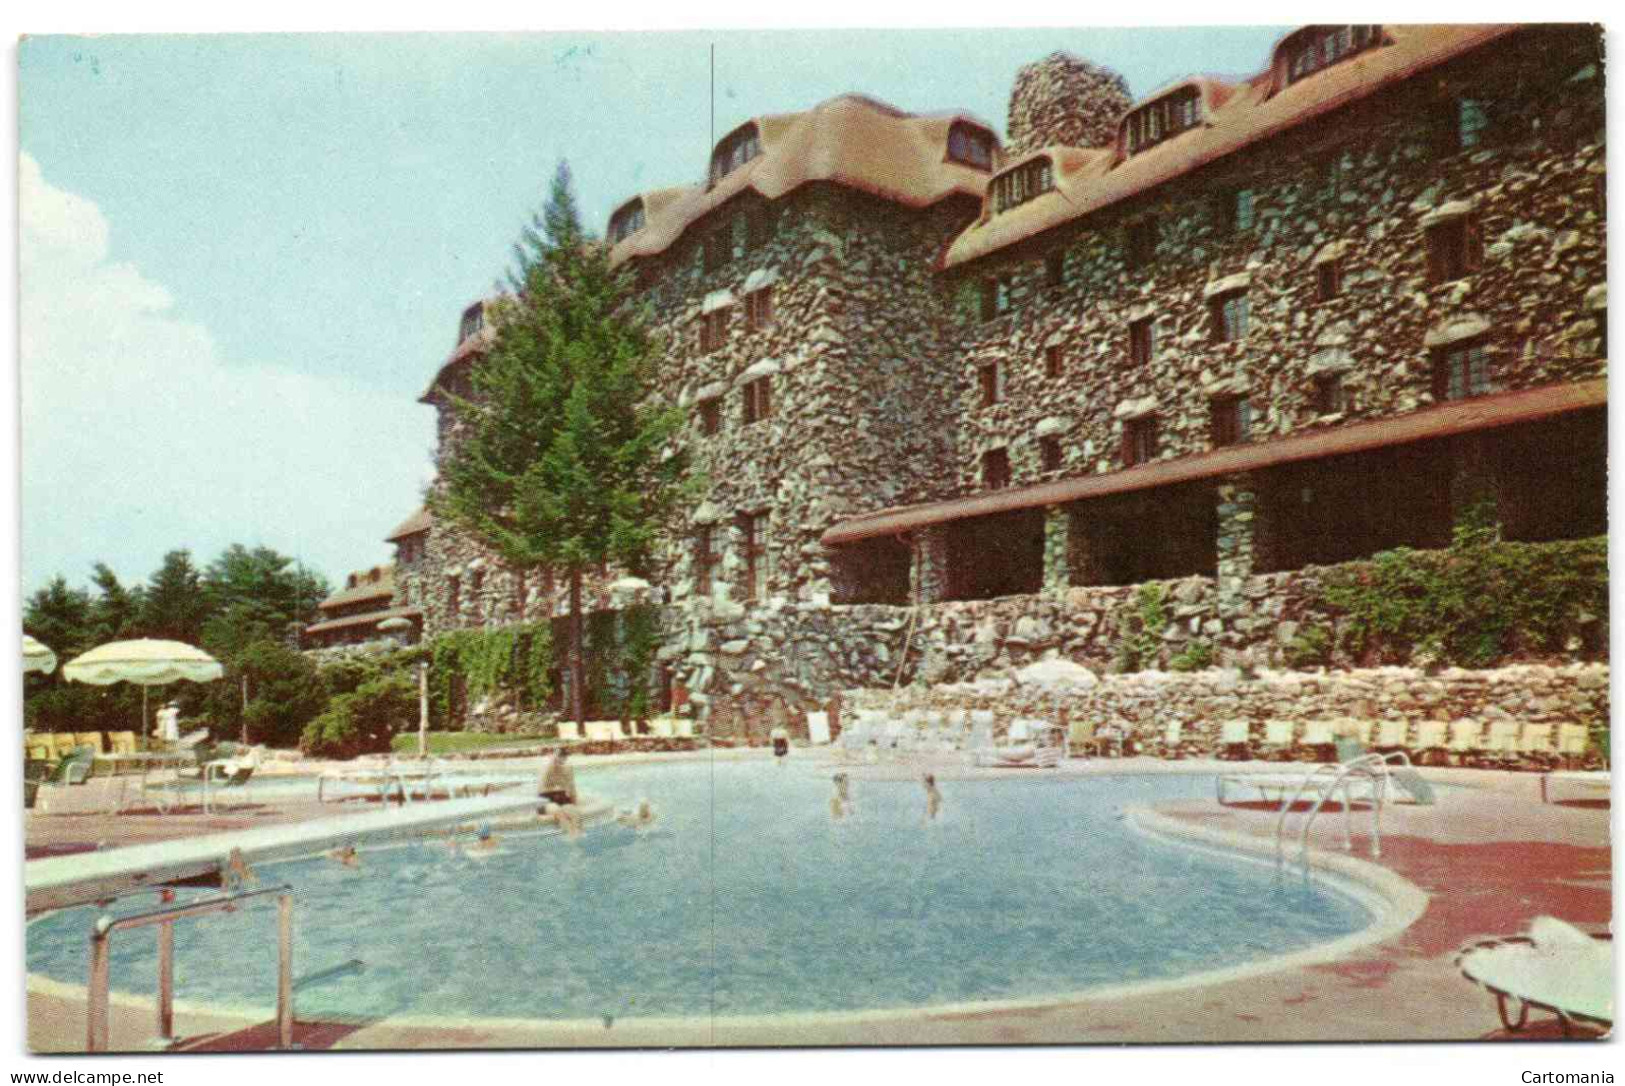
(1390,736)
(1081,738)
(1277,746)
(1500,749)
(39,748)
(1466,738)
(1535,747)
(1235,740)
(92,740)
(1573,744)
(63,746)
(1172,743)
(1319,743)
(230,777)
(75,768)
(1555,968)
(1431,736)
(121,742)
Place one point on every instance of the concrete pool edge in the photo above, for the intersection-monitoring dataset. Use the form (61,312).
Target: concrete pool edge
(1394,902)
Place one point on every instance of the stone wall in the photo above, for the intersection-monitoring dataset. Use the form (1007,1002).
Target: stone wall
(1144,704)
(1065,101)
(1360,188)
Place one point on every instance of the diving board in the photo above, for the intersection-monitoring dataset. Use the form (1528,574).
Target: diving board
(81,878)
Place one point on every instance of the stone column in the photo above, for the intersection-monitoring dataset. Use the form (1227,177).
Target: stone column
(928,575)
(1057,551)
(1237,498)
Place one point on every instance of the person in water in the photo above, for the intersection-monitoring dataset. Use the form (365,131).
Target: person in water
(346,855)
(840,799)
(781,743)
(933,798)
(556,791)
(637,818)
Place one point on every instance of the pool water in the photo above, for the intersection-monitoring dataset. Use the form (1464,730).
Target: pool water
(746,897)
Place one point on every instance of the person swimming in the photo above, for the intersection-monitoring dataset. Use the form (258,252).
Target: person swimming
(346,855)
(933,798)
(639,817)
(840,799)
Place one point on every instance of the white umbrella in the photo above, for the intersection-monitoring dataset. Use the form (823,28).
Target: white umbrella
(145,662)
(36,657)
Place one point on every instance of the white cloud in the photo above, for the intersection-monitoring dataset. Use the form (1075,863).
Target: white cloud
(137,437)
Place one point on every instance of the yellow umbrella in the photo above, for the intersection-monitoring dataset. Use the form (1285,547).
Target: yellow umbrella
(145,662)
(36,657)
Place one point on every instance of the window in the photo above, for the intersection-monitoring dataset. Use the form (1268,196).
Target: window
(1163,119)
(1054,362)
(1140,239)
(1230,417)
(1235,208)
(736,149)
(970,146)
(992,382)
(1317,47)
(454,594)
(1228,314)
(1329,394)
(1054,270)
(719,249)
(758,400)
(626,222)
(996,469)
(1472,123)
(753,530)
(995,297)
(710,416)
(1460,371)
(1455,248)
(1328,280)
(476,584)
(760,226)
(705,559)
(1139,441)
(1142,341)
(759,308)
(473,320)
(1025,182)
(714,329)
(1049,453)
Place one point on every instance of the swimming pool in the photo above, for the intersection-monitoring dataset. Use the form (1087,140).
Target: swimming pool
(746,898)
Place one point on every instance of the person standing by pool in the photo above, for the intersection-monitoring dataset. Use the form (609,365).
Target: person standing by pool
(781,743)
(933,798)
(556,789)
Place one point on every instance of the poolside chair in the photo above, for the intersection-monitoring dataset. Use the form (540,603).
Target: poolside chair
(1573,744)
(1500,749)
(1319,743)
(1390,736)
(121,742)
(1555,968)
(230,776)
(1431,736)
(39,748)
(63,745)
(1173,743)
(1351,738)
(93,740)
(1080,738)
(1535,747)
(1277,746)
(1235,740)
(1466,737)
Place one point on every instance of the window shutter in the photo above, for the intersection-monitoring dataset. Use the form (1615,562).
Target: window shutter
(1441,375)
(1436,261)
(1474,255)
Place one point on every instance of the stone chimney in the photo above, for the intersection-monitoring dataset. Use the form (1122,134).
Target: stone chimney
(1064,100)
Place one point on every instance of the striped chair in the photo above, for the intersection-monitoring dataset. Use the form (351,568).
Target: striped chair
(1573,744)
(1466,740)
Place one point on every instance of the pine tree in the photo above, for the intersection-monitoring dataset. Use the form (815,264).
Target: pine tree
(174,606)
(116,612)
(562,459)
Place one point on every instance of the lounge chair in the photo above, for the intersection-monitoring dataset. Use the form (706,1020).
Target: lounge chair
(1555,968)
(1466,740)
(1173,743)
(1080,738)
(1235,740)
(1500,749)
(229,776)
(1431,736)
(1390,736)
(1277,745)
(1573,744)
(1535,747)
(1319,743)
(93,740)
(121,743)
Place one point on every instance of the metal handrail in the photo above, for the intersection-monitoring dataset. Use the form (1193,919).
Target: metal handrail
(1372,767)
(98,1016)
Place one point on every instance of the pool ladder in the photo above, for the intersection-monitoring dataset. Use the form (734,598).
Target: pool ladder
(1374,769)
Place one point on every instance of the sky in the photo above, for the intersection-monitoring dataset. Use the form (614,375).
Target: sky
(243,257)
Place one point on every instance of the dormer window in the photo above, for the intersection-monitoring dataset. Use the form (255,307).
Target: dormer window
(626,221)
(1317,47)
(473,320)
(736,149)
(1163,119)
(1017,186)
(970,146)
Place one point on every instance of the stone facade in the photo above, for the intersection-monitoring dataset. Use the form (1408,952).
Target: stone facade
(1064,101)
(895,376)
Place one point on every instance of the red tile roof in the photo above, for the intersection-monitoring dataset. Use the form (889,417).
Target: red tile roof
(1238,116)
(1442,420)
(851,140)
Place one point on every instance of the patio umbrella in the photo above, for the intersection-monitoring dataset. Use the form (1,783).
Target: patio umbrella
(36,657)
(145,662)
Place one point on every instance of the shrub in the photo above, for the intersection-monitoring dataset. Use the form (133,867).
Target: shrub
(1312,647)
(365,720)
(1140,627)
(1194,657)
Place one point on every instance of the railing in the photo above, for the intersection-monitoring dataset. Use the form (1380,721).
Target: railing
(1371,768)
(98,1022)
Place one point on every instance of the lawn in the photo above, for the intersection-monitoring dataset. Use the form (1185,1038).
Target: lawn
(461,742)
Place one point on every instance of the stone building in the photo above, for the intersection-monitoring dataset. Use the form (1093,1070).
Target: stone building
(946,393)
(351,615)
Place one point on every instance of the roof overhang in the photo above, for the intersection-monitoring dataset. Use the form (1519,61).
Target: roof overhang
(1444,420)
(370,618)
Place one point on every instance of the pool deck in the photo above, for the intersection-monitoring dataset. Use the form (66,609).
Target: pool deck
(1489,857)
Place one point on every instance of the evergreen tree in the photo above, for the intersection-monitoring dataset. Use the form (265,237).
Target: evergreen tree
(174,605)
(116,612)
(562,459)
